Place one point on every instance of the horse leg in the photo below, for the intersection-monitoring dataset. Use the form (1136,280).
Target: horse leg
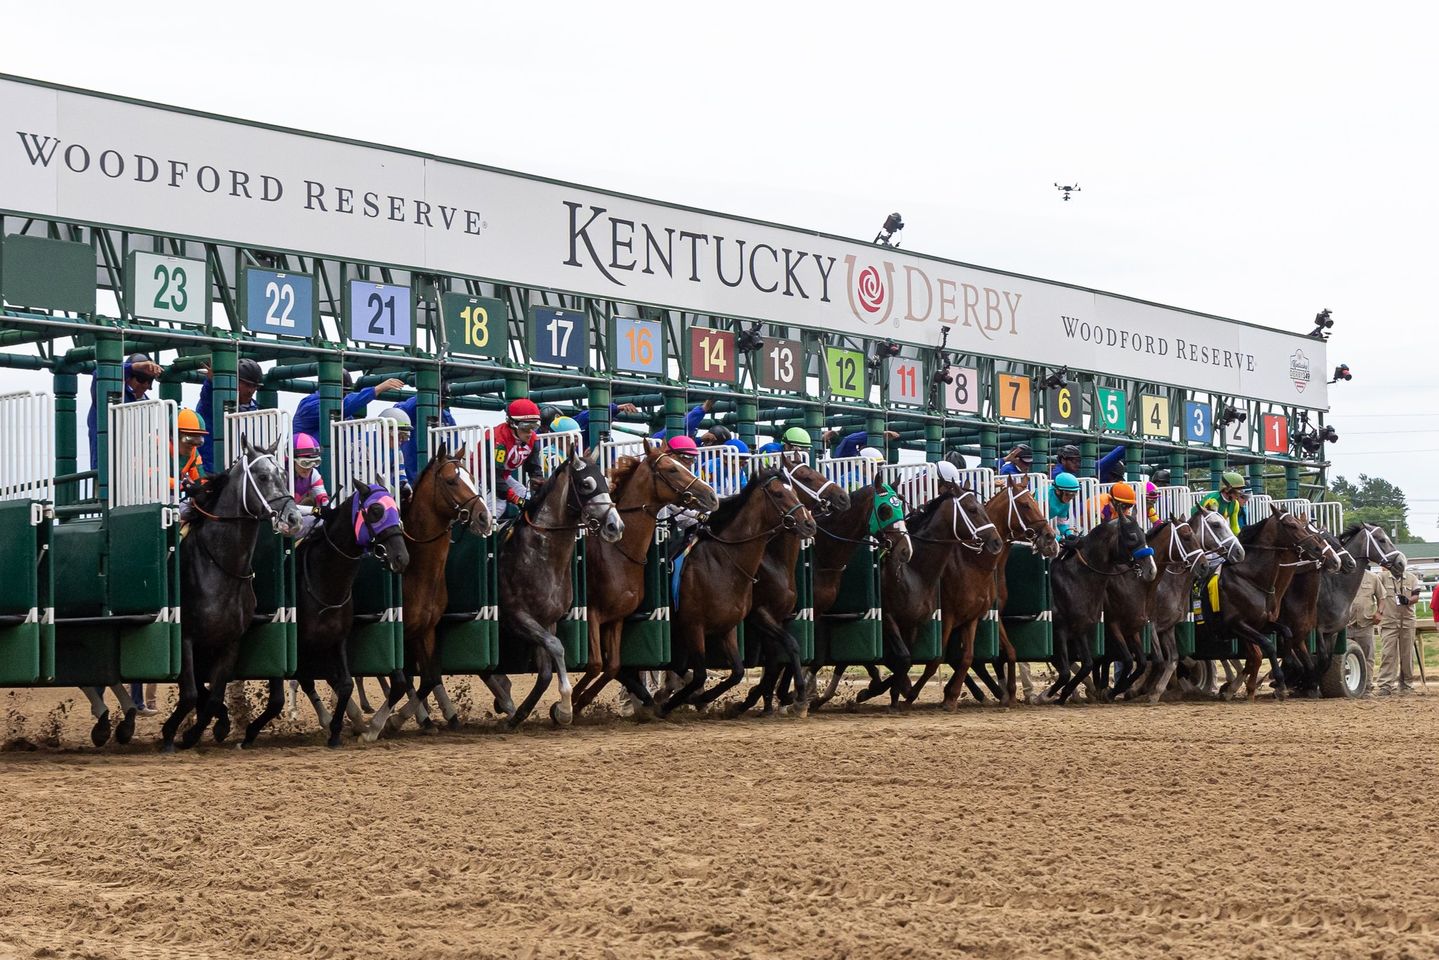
(273,706)
(1086,667)
(1167,649)
(793,669)
(730,645)
(209,695)
(836,674)
(399,687)
(499,684)
(447,708)
(100,732)
(1128,667)
(594,668)
(125,729)
(322,713)
(1060,661)
(961,665)
(344,687)
(186,700)
(930,669)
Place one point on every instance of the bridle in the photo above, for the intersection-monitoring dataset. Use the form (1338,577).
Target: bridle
(1227,542)
(787,517)
(1386,558)
(573,498)
(374,546)
(821,504)
(460,514)
(973,541)
(1132,565)
(1028,533)
(1184,562)
(248,483)
(685,499)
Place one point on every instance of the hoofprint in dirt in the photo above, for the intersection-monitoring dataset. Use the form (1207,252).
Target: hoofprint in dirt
(1303,829)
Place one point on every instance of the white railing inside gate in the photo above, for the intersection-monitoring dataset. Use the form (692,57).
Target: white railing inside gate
(1087,510)
(27,456)
(478,456)
(1328,515)
(261,428)
(725,469)
(1257,508)
(850,472)
(144,447)
(612,450)
(981,480)
(366,450)
(1175,502)
(916,483)
(553,449)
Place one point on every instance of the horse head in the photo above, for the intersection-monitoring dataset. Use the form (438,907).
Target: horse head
(264,488)
(675,482)
(1130,541)
(1347,563)
(1296,533)
(1378,548)
(462,498)
(1182,547)
(979,532)
(376,522)
(588,482)
(792,514)
(1018,517)
(818,493)
(1214,535)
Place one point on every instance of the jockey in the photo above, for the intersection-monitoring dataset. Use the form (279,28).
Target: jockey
(1066,461)
(310,493)
(247,377)
(795,441)
(1118,502)
(1063,493)
(404,431)
(716,434)
(409,449)
(192,435)
(1111,466)
(1228,500)
(1151,502)
(354,406)
(514,442)
(563,425)
(138,373)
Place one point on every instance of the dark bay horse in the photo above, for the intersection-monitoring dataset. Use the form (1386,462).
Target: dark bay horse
(642,487)
(1171,601)
(444,495)
(1130,604)
(718,577)
(217,595)
(535,585)
(327,561)
(1252,590)
(776,596)
(953,523)
(1079,578)
(1299,612)
(1366,543)
(976,584)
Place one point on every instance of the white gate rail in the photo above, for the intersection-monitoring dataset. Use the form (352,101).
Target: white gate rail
(478,456)
(261,428)
(144,447)
(850,472)
(553,449)
(366,450)
(725,469)
(27,455)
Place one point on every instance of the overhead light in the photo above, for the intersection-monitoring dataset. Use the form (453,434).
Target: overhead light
(749,340)
(1232,414)
(1056,379)
(893,224)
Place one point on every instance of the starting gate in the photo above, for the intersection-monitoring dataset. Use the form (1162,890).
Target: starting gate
(469,632)
(368,451)
(1027,614)
(646,633)
(27,498)
(854,627)
(268,648)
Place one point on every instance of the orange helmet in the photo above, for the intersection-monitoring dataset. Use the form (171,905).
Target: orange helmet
(188,421)
(1122,493)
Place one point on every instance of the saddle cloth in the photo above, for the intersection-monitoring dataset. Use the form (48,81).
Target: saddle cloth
(1206,597)
(677,566)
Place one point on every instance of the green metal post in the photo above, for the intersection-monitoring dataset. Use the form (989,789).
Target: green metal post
(874,430)
(1088,457)
(1177,469)
(1040,446)
(674,414)
(427,412)
(988,445)
(599,406)
(1256,477)
(814,423)
(224,394)
(747,412)
(332,392)
(516,386)
(1291,480)
(933,442)
(109,385)
(66,386)
(1216,472)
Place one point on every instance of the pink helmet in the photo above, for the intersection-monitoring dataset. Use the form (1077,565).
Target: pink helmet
(1150,490)
(683,444)
(304,443)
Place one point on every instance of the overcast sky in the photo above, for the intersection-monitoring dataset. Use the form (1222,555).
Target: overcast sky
(1255,163)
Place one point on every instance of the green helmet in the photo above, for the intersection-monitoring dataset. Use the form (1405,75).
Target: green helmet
(1233,479)
(798,436)
(1066,482)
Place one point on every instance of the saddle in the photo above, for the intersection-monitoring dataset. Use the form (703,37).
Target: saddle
(677,566)
(1206,596)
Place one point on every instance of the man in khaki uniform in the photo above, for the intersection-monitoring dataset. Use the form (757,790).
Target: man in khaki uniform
(1365,614)
(1396,636)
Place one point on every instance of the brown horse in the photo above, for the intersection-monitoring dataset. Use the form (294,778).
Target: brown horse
(718,577)
(976,584)
(641,487)
(776,596)
(444,494)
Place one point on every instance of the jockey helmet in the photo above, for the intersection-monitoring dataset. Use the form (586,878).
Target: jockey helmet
(1066,482)
(249,372)
(1150,490)
(1068,452)
(307,451)
(956,458)
(683,444)
(564,425)
(549,413)
(523,412)
(872,453)
(1233,481)
(797,436)
(737,443)
(1122,492)
(721,434)
(948,472)
(189,421)
(401,418)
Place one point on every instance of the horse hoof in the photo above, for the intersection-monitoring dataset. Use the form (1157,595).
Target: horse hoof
(562,714)
(125,730)
(644,713)
(222,729)
(453,723)
(100,732)
(430,729)
(800,711)
(504,707)
(369,736)
(167,746)
(245,745)
(333,743)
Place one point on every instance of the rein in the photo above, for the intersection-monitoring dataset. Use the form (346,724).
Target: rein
(974,542)
(460,510)
(247,484)
(783,524)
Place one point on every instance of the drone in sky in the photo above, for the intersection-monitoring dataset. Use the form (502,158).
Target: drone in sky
(1067,190)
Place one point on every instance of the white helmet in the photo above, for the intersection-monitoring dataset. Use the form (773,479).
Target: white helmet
(399,416)
(871,453)
(948,472)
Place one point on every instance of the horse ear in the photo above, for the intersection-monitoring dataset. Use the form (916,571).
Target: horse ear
(273,448)
(652,453)
(245,441)
(1275,510)
(460,453)
(590,456)
(442,452)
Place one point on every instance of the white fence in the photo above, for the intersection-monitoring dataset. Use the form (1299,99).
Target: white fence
(475,447)
(27,455)
(261,428)
(1175,502)
(612,450)
(367,450)
(1328,515)
(1257,508)
(850,472)
(551,450)
(725,469)
(144,447)
(916,483)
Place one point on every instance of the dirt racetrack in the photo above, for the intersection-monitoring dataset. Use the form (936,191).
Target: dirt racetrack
(1304,829)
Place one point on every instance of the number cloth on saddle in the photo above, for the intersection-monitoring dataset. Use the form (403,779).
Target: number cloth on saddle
(1206,597)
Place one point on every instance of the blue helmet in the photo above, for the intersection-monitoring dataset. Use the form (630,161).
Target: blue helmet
(738,444)
(1066,482)
(564,425)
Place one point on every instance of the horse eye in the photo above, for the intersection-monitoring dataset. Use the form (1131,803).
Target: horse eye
(885,511)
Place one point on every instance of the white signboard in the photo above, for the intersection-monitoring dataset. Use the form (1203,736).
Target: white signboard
(93,159)
(168,288)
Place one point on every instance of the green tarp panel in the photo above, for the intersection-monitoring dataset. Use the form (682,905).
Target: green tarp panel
(802,626)
(27,631)
(852,628)
(377,639)
(1027,617)
(645,642)
(269,647)
(469,636)
(144,579)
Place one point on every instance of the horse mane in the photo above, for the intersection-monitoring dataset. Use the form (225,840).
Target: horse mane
(926,512)
(1251,531)
(1353,530)
(533,504)
(729,509)
(621,472)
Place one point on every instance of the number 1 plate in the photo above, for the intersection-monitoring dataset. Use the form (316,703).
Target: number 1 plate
(380,313)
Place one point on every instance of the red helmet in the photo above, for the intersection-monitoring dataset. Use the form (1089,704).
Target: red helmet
(523,409)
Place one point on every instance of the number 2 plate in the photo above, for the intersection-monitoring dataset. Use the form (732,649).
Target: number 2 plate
(380,313)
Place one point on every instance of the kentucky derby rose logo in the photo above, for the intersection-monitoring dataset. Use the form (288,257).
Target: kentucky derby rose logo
(871,290)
